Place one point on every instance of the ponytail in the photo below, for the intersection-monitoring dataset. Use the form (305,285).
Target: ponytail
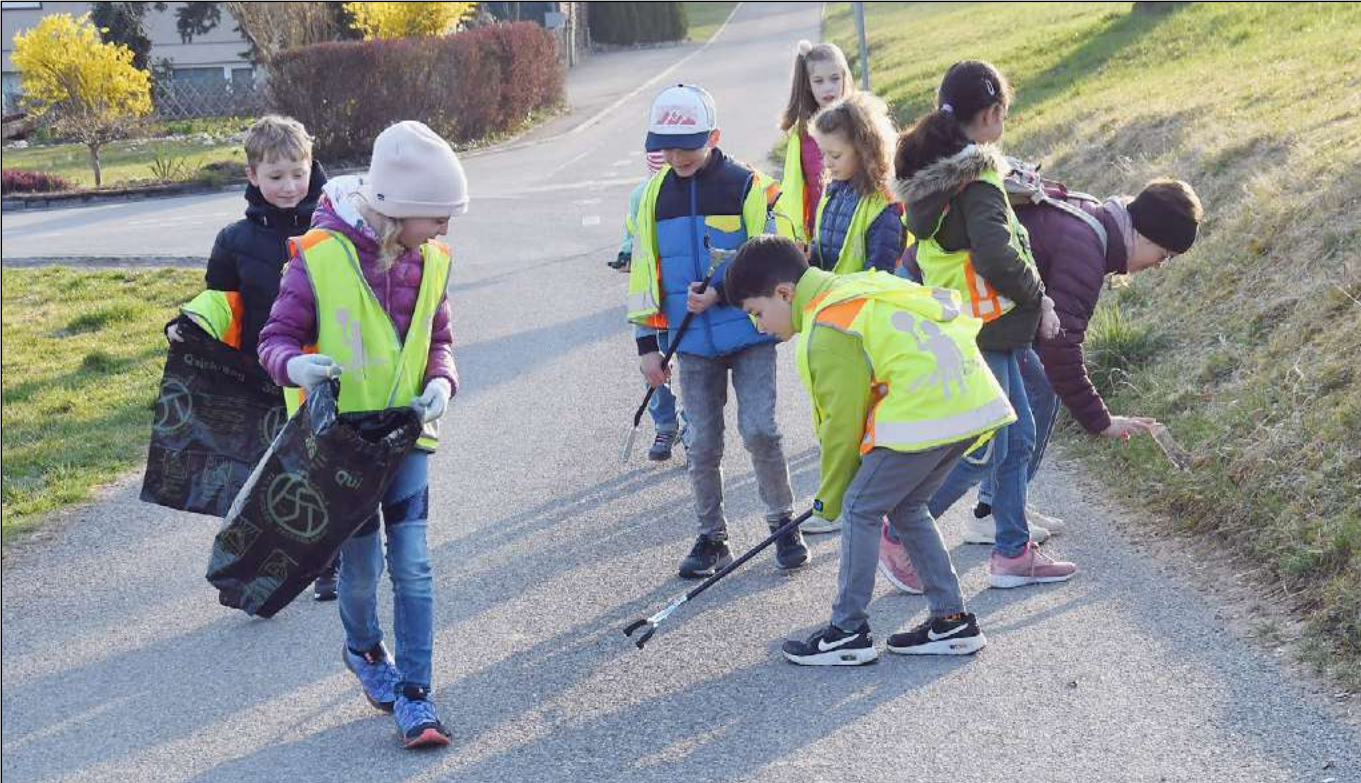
(969,88)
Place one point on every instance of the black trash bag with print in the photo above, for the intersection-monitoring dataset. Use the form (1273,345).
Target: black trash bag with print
(320,481)
(216,414)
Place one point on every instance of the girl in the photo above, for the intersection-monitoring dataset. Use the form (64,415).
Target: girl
(856,228)
(369,268)
(949,177)
(821,77)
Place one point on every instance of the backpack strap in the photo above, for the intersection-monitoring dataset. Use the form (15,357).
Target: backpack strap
(1025,184)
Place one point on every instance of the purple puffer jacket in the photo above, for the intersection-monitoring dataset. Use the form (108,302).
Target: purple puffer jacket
(293,319)
(1073,267)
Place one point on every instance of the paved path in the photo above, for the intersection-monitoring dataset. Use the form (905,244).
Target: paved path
(120,665)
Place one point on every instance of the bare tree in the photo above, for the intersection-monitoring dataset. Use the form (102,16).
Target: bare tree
(273,27)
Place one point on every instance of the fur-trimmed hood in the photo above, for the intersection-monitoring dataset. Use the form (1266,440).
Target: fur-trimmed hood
(926,193)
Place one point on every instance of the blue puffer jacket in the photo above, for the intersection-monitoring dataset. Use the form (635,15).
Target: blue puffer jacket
(705,205)
(884,243)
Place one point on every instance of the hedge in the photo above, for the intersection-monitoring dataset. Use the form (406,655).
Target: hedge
(464,86)
(18,181)
(626,24)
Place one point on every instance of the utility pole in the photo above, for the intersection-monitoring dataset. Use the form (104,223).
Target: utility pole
(864,47)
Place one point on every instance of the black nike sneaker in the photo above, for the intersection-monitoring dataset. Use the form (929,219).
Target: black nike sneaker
(833,647)
(707,556)
(956,634)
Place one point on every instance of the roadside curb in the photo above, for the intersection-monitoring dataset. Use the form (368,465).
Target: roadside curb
(107,262)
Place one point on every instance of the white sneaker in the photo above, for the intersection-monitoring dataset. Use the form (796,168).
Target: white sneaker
(1052,524)
(984,531)
(818,524)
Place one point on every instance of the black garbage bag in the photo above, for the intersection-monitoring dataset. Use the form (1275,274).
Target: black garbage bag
(216,414)
(320,480)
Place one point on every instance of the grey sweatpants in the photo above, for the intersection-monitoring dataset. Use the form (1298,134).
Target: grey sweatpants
(896,484)
(704,393)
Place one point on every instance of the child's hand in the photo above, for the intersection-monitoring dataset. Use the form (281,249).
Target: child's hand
(435,401)
(697,302)
(311,369)
(172,333)
(653,372)
(1049,320)
(1124,427)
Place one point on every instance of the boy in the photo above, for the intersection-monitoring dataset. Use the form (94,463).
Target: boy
(900,393)
(248,256)
(704,200)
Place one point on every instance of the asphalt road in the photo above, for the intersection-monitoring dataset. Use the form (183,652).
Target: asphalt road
(118,663)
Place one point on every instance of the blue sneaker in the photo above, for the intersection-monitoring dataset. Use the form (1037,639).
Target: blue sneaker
(418,724)
(377,674)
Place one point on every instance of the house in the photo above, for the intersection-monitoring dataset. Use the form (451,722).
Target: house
(211,61)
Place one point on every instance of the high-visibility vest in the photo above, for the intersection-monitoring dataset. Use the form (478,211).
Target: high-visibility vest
(954,269)
(219,313)
(792,187)
(853,254)
(381,370)
(930,385)
(759,216)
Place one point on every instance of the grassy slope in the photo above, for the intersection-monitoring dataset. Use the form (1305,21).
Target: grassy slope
(82,357)
(706,18)
(1247,347)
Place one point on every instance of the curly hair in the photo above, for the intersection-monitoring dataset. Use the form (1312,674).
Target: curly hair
(862,119)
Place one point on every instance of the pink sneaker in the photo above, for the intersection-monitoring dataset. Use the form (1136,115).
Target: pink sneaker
(1030,567)
(895,565)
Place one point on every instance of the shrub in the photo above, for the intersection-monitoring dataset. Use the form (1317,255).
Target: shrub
(464,86)
(17,181)
(626,24)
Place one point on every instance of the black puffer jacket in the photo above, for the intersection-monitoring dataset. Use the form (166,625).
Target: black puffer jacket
(976,218)
(249,255)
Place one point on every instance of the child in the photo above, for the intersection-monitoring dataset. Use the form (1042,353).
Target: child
(668,424)
(821,77)
(1074,261)
(248,256)
(702,200)
(950,180)
(898,396)
(328,321)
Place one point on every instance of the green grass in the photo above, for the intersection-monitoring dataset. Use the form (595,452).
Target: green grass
(82,359)
(1248,346)
(706,18)
(123,161)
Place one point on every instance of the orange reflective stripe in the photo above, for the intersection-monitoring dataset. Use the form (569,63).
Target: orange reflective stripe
(658,321)
(233,335)
(842,314)
(311,239)
(878,392)
(772,192)
(982,297)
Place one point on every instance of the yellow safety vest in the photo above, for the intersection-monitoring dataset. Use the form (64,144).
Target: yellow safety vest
(954,269)
(381,369)
(930,385)
(852,256)
(644,297)
(219,313)
(792,186)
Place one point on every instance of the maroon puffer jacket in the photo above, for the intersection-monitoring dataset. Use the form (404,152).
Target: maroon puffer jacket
(293,319)
(1073,267)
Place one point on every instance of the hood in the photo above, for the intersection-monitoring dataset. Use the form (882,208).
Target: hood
(337,211)
(926,193)
(266,214)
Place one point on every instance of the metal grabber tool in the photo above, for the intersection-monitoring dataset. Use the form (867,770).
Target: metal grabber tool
(716,257)
(655,620)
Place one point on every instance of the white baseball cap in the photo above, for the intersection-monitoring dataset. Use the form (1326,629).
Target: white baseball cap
(682,117)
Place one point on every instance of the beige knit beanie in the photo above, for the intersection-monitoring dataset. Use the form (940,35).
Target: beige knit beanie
(414,173)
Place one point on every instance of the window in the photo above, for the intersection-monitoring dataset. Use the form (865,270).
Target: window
(21,6)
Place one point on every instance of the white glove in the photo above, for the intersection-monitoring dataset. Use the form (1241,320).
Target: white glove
(434,401)
(310,369)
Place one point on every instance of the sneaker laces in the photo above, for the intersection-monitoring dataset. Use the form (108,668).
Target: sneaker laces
(419,712)
(664,439)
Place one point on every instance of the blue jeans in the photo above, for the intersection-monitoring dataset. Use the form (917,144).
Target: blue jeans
(663,404)
(404,512)
(1005,457)
(1044,405)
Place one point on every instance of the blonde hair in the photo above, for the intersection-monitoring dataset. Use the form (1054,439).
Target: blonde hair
(802,103)
(862,119)
(274,137)
(387,230)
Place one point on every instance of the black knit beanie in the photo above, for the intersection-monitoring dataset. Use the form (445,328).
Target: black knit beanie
(1160,220)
